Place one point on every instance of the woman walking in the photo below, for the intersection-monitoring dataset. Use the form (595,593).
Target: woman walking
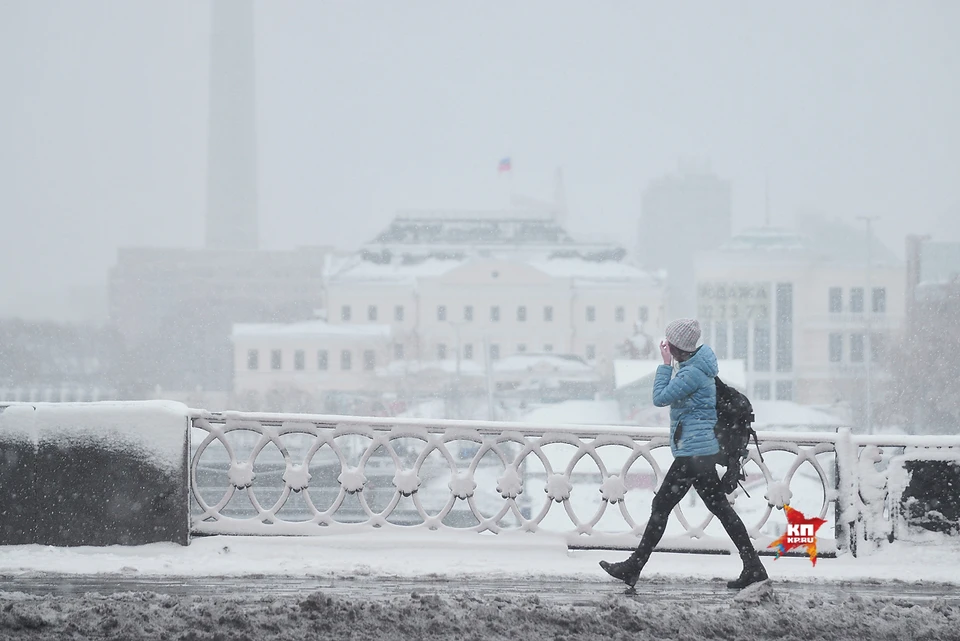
(692,396)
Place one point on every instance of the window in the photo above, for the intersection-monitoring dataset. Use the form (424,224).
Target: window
(591,313)
(548,314)
(784,390)
(253,359)
(345,313)
(494,352)
(346,359)
(372,313)
(398,351)
(369,359)
(879,300)
(398,313)
(856,348)
(521,348)
(521,314)
(468,351)
(876,347)
(644,314)
(322,359)
(548,348)
(441,351)
(740,331)
(720,343)
(299,359)
(836,300)
(761,349)
(495,314)
(836,348)
(784,327)
(619,315)
(761,390)
(441,312)
(468,313)
(276,359)
(856,300)
(591,352)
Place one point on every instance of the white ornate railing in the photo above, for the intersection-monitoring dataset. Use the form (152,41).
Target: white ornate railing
(302,474)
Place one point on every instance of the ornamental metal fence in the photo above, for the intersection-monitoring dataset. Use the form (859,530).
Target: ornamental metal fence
(261,474)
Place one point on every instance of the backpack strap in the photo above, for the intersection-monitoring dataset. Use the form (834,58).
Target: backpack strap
(756,442)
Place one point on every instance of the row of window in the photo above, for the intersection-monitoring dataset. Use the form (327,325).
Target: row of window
(857,347)
(370,357)
(731,340)
(373,313)
(857,297)
(442,352)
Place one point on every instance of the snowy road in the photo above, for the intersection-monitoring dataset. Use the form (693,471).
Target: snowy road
(198,608)
(570,591)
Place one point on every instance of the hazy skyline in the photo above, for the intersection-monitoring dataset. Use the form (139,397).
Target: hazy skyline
(847,108)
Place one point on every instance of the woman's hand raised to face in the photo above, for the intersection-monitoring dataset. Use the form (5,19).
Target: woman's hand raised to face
(665,352)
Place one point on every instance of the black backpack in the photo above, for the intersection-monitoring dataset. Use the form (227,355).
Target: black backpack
(733,430)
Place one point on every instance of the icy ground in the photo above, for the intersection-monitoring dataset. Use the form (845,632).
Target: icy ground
(421,585)
(760,612)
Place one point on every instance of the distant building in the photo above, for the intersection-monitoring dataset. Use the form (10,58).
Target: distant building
(175,307)
(683,214)
(464,292)
(506,282)
(802,311)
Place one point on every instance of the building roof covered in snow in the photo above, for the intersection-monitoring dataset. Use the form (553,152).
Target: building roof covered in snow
(309,328)
(432,243)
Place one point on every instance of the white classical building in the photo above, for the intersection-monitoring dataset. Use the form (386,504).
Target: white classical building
(473,283)
(804,311)
(438,293)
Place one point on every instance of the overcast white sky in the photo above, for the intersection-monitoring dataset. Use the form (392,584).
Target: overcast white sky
(850,108)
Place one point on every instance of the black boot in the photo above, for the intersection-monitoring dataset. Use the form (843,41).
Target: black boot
(753,572)
(627,571)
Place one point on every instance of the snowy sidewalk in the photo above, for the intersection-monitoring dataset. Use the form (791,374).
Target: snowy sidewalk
(421,554)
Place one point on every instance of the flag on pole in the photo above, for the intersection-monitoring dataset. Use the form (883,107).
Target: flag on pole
(504,165)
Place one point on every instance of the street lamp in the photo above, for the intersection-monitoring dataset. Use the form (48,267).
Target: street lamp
(868,315)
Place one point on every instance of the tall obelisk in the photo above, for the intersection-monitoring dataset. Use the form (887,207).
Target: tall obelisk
(232,132)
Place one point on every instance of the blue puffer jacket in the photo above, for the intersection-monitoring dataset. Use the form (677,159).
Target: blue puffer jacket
(692,397)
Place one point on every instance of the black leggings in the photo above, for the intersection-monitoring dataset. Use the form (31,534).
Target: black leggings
(701,473)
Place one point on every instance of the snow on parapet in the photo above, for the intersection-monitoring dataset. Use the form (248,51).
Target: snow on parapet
(155,429)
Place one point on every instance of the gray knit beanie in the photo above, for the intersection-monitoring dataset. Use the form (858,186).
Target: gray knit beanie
(684,333)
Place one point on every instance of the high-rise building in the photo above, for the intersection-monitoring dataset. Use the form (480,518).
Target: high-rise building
(683,213)
(232,150)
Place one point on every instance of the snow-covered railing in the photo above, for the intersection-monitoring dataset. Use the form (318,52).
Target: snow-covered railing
(882,477)
(254,473)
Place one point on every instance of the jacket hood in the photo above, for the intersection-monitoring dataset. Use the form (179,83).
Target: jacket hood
(704,360)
